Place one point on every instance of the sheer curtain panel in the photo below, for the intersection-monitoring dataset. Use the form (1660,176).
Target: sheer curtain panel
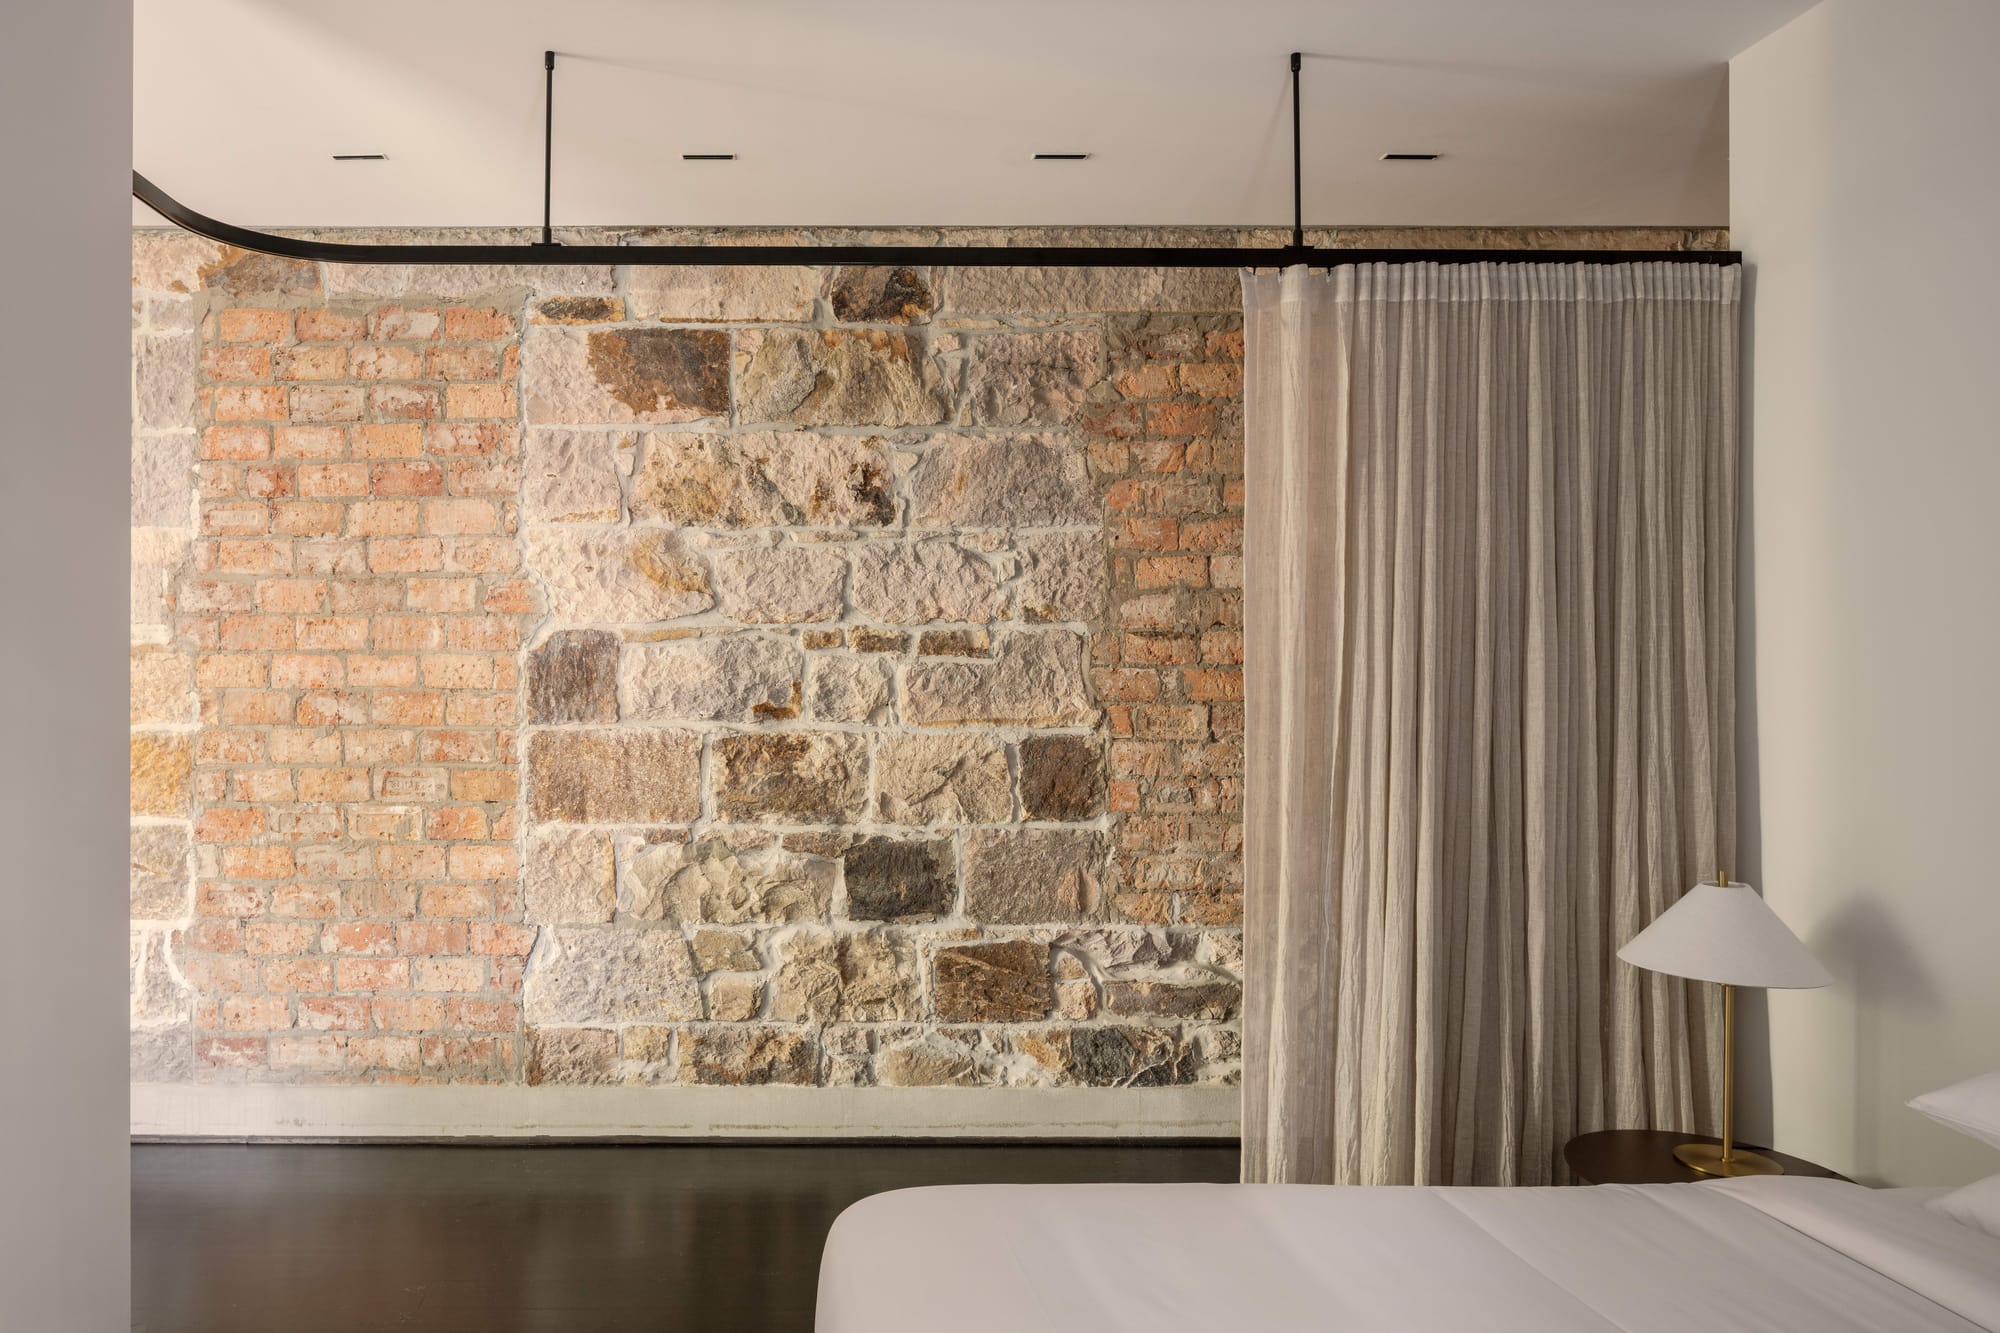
(1490,661)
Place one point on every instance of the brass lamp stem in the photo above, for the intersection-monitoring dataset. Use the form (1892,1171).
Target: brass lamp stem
(1728,1073)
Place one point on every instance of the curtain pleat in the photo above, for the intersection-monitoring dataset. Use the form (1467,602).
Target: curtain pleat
(1490,571)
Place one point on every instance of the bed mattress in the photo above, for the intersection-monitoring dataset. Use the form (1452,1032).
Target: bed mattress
(1757,1254)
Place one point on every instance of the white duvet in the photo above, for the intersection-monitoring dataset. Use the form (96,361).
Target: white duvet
(1762,1254)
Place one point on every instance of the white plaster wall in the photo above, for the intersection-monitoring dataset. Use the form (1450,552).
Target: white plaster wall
(1865,187)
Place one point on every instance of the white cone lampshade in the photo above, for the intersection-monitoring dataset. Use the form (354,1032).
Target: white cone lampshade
(1725,933)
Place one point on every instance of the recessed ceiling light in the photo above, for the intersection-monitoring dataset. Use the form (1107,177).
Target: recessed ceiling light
(1409,157)
(1060,157)
(361,157)
(708,157)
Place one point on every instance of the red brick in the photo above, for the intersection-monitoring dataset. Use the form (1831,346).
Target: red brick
(310,441)
(232,1052)
(477,324)
(456,822)
(383,518)
(455,516)
(417,477)
(314,902)
(463,363)
(392,323)
(1165,571)
(448,974)
(333,784)
(485,784)
(305,671)
(327,402)
(236,442)
(1213,683)
(236,363)
(387,363)
(331,708)
(359,937)
(312,363)
(409,1013)
(372,974)
(459,439)
(388,440)
(332,633)
(257,862)
(405,402)
(308,518)
(267,938)
(471,1015)
(321,480)
(329,326)
(248,402)
(253,326)
(405,555)
(378,671)
(333,1013)
(298,974)
(216,671)
(499,939)
(473,401)
(456,900)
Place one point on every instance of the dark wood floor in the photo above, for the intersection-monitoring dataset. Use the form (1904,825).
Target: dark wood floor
(696,1238)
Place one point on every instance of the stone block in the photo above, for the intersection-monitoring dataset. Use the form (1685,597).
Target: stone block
(619,376)
(162,684)
(892,879)
(740,1055)
(716,678)
(572,476)
(618,576)
(710,881)
(1111,1055)
(911,583)
(883,295)
(778,295)
(162,773)
(1035,679)
(790,777)
(1059,291)
(163,1056)
(995,481)
(615,777)
(928,1060)
(781,585)
(1003,982)
(163,480)
(159,997)
(854,978)
(462,281)
(839,377)
(573,677)
(1063,576)
(160,885)
(1029,876)
(609,974)
(764,479)
(569,877)
(572,1056)
(735,999)
(950,777)
(1032,379)
(163,367)
(1062,777)
(725,951)
(1211,998)
(846,689)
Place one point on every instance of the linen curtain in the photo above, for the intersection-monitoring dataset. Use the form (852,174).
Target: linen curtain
(1490,660)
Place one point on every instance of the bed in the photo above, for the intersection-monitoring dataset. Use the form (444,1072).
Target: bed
(1766,1254)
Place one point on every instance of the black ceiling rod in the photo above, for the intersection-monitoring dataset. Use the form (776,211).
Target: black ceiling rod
(548,141)
(1298,175)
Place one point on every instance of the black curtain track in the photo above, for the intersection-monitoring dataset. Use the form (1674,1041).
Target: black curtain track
(994,256)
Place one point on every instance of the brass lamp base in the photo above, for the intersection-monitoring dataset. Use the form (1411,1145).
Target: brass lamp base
(1707,1158)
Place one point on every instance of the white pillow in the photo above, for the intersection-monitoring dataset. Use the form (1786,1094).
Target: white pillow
(1971,1107)
(1977,1205)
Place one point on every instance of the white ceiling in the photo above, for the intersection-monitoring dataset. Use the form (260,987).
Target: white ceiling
(1581,112)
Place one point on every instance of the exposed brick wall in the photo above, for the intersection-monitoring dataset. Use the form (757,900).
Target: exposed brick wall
(584,675)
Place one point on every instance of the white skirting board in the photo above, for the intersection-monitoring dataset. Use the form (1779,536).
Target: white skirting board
(254,1111)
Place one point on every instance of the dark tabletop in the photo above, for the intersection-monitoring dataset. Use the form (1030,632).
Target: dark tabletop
(1646,1157)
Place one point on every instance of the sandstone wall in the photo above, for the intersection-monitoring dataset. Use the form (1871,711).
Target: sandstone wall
(583,675)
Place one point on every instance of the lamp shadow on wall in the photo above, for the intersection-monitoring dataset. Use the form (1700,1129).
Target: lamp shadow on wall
(1888,991)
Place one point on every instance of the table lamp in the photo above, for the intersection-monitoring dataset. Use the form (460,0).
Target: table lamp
(1725,933)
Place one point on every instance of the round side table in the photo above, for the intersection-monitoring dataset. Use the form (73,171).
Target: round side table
(1646,1157)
